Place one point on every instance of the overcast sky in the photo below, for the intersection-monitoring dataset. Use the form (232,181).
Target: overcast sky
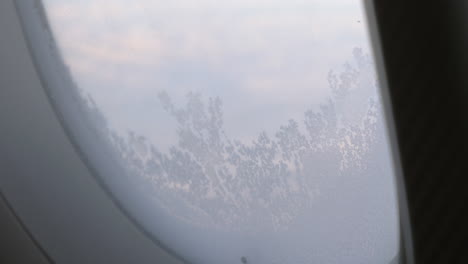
(263,58)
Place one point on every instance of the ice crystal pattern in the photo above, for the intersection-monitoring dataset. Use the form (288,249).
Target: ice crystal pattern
(210,179)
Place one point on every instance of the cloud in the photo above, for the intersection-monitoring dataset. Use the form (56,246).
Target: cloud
(273,54)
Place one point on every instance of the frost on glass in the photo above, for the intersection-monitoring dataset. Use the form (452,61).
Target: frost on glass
(210,179)
(220,175)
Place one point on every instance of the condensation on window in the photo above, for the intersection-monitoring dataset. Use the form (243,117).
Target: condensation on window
(243,131)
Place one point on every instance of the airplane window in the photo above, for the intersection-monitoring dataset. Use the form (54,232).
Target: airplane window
(233,131)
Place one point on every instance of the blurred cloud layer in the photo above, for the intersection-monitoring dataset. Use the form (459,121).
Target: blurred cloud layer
(261,57)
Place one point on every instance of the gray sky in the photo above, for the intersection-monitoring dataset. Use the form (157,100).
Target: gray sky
(263,58)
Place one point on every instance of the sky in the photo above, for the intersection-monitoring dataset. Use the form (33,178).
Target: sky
(261,58)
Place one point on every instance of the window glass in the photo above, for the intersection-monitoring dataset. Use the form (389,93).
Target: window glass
(247,131)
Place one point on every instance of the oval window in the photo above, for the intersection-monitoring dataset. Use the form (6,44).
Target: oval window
(232,131)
